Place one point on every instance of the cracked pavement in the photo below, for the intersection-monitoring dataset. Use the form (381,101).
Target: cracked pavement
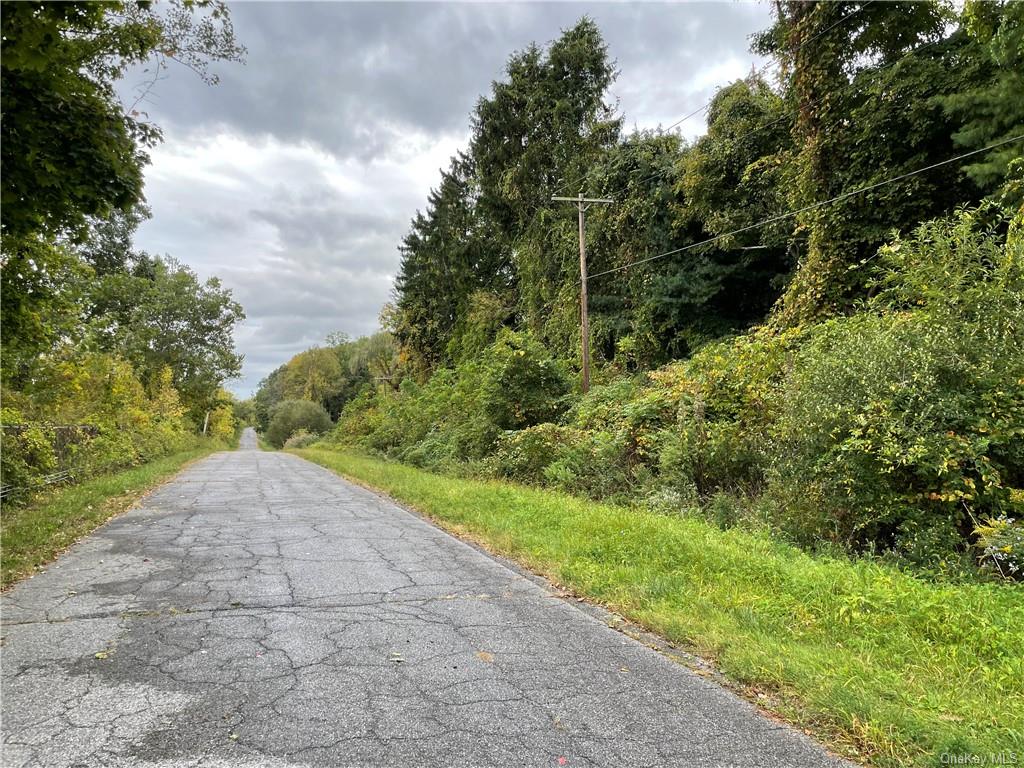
(258,610)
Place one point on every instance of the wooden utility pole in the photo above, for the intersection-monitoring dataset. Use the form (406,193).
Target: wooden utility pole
(582,203)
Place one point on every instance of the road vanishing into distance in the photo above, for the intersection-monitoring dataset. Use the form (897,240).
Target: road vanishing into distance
(260,611)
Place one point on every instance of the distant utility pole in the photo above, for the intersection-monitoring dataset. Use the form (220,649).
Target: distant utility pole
(582,203)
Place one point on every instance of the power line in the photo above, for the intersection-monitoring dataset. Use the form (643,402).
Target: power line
(790,214)
(756,73)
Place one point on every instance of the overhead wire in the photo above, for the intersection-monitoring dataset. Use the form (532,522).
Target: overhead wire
(811,207)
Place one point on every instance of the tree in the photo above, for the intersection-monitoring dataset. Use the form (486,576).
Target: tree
(313,375)
(289,416)
(990,108)
(43,288)
(733,177)
(69,148)
(107,244)
(543,126)
(221,423)
(377,355)
(861,77)
(641,175)
(450,252)
(72,154)
(170,319)
(269,393)
(538,133)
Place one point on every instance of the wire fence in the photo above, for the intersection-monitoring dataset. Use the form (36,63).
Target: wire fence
(64,439)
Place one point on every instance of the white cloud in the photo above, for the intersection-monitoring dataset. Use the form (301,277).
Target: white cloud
(306,241)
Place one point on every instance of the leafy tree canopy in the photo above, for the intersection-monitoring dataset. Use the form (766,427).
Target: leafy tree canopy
(70,148)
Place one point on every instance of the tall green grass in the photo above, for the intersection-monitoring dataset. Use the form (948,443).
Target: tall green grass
(889,668)
(36,533)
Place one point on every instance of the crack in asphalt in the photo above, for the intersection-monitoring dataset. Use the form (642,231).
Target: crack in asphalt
(260,611)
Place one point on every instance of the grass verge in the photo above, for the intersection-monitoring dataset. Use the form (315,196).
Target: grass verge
(36,533)
(888,668)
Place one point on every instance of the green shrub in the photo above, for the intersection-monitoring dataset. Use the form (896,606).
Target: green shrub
(459,414)
(301,438)
(904,423)
(289,416)
(25,455)
(596,465)
(729,399)
(133,423)
(524,454)
(522,384)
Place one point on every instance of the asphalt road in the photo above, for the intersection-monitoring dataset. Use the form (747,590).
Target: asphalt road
(260,611)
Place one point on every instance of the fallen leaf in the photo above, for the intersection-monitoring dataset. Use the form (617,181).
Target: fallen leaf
(485,656)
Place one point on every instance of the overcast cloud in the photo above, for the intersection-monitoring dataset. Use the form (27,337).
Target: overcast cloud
(294,179)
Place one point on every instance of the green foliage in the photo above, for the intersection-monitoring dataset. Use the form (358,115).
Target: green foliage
(546,122)
(478,326)
(855,84)
(26,455)
(525,454)
(269,393)
(134,424)
(487,225)
(71,149)
(725,399)
(459,414)
(168,318)
(301,438)
(990,106)
(903,424)
(289,416)
(733,177)
(330,376)
(244,412)
(42,289)
(522,384)
(222,425)
(449,255)
(493,250)
(312,375)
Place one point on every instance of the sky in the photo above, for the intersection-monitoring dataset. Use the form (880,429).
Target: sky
(294,178)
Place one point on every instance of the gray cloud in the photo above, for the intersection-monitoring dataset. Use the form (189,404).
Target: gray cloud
(352,77)
(295,178)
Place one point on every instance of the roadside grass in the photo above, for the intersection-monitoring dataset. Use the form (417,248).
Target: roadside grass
(35,534)
(886,667)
